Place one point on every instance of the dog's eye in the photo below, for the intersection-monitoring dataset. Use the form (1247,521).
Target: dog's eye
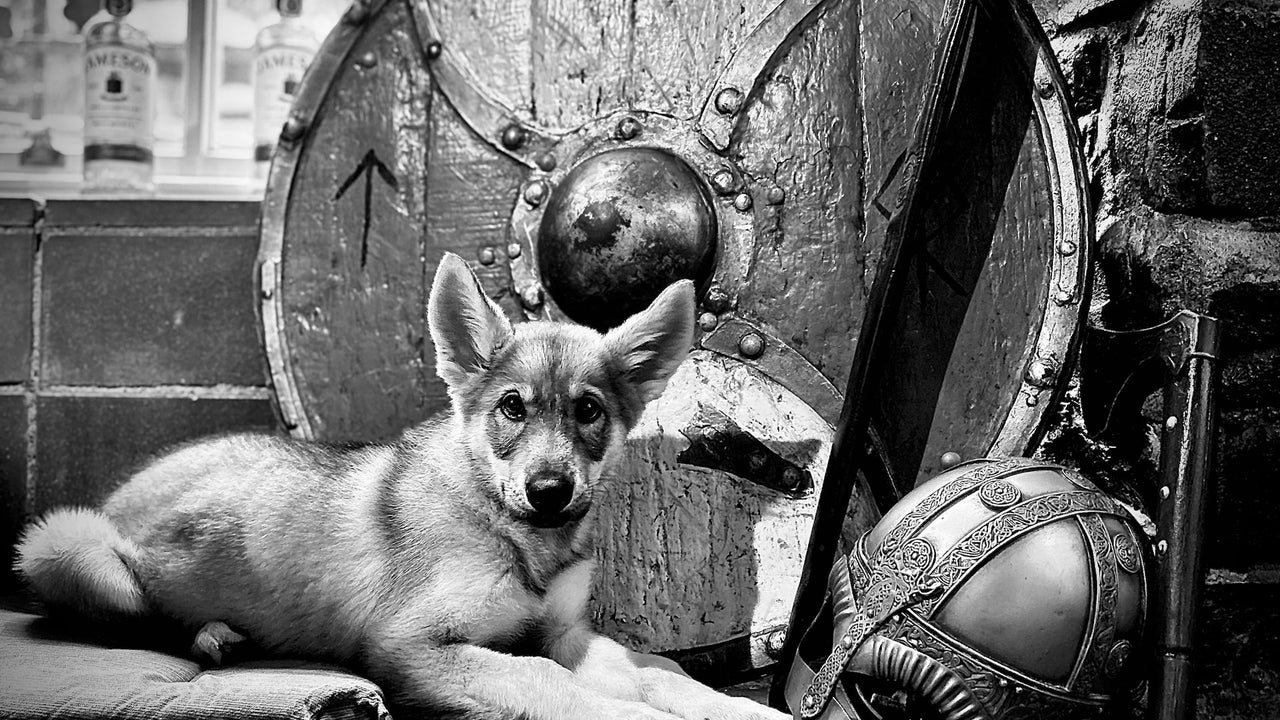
(512,406)
(587,411)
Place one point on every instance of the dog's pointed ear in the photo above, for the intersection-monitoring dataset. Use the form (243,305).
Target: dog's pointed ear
(466,326)
(651,344)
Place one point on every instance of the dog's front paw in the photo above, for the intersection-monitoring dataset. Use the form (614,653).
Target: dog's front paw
(215,642)
(691,700)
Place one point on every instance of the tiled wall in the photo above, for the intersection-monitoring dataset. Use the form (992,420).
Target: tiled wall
(125,327)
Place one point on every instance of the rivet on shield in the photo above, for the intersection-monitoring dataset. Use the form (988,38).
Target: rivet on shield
(514,250)
(628,128)
(535,192)
(775,641)
(728,101)
(367,60)
(513,137)
(1164,492)
(707,321)
(487,256)
(434,48)
(1162,547)
(1063,297)
(531,297)
(1066,247)
(751,345)
(722,181)
(949,460)
(1171,422)
(717,299)
(1046,89)
(1041,373)
(546,162)
(775,196)
(742,201)
(357,13)
(293,130)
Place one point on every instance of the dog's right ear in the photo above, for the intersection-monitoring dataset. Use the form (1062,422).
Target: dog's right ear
(466,326)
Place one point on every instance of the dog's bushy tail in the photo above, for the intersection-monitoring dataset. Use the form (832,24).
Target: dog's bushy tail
(76,561)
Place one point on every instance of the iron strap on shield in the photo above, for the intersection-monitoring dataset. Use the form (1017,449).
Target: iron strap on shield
(581,160)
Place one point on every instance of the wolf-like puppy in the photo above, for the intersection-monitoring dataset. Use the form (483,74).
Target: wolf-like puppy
(428,563)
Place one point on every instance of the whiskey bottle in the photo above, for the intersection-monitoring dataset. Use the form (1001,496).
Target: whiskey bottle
(119,104)
(282,52)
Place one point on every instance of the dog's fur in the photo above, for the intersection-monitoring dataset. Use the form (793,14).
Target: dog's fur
(422,563)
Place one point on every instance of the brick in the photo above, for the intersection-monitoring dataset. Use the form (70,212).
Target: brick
(17,253)
(151,213)
(149,309)
(86,446)
(13,478)
(18,212)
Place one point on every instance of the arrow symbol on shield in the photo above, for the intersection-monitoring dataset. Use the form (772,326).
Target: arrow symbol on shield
(367,166)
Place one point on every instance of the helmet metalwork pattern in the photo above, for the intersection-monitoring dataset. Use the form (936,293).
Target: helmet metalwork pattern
(1005,588)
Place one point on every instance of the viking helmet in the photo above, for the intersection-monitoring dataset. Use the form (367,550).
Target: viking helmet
(1002,589)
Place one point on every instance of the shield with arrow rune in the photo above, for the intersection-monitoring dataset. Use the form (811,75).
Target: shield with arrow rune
(582,156)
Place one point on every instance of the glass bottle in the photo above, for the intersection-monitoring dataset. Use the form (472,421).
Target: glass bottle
(119,104)
(282,52)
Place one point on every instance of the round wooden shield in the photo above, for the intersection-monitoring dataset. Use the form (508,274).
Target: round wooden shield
(527,136)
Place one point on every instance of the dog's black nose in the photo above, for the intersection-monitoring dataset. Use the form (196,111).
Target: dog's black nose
(549,492)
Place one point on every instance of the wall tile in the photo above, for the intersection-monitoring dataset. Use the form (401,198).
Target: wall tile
(149,309)
(87,445)
(17,252)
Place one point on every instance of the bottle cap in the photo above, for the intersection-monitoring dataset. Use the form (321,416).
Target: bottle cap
(119,8)
(289,8)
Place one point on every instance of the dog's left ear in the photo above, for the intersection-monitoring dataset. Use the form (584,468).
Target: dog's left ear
(466,326)
(652,343)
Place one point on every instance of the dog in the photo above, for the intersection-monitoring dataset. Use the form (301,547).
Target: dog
(452,566)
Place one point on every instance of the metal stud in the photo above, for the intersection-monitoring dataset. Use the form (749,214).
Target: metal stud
(1066,247)
(728,100)
(513,137)
(1171,422)
(1041,373)
(1064,296)
(294,128)
(775,196)
(357,13)
(751,345)
(628,128)
(531,297)
(1046,89)
(949,460)
(487,256)
(846,640)
(535,192)
(722,181)
(367,60)
(717,299)
(546,162)
(1164,492)
(1032,400)
(742,201)
(775,641)
(707,321)
(792,477)
(514,250)
(434,48)
(1162,547)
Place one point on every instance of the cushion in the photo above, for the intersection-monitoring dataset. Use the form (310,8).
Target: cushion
(46,672)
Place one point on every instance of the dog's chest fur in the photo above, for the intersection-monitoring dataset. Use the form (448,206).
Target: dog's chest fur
(491,606)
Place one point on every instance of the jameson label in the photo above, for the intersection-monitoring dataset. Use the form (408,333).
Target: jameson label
(277,77)
(119,98)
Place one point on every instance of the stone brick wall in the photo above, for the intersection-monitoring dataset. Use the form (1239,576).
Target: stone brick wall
(1179,105)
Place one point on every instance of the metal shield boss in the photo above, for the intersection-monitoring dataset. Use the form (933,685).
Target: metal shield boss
(582,159)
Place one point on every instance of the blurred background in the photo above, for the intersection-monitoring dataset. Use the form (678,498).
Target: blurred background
(204,105)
